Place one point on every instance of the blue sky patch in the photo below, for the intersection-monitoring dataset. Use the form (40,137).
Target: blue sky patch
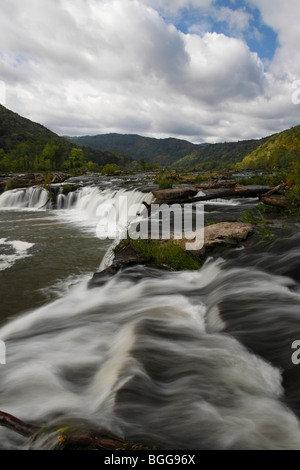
(234,19)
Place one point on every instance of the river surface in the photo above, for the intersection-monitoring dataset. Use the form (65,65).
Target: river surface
(179,360)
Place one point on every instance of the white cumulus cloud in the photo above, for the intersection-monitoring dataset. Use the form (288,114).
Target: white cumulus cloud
(93,66)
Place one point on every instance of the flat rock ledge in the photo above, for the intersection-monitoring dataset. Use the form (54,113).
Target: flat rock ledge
(226,233)
(218,238)
(222,234)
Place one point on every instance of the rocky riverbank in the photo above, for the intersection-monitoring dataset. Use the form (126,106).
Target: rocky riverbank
(8,182)
(234,231)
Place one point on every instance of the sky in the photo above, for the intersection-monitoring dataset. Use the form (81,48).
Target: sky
(199,70)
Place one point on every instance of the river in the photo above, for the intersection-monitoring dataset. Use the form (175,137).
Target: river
(179,360)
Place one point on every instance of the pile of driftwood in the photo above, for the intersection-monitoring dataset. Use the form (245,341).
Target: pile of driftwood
(277,201)
(272,197)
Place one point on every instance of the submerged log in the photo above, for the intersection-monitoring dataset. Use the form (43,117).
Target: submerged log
(70,437)
(17,425)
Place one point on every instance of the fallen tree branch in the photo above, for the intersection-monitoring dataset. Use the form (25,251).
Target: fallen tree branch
(17,425)
(68,438)
(275,190)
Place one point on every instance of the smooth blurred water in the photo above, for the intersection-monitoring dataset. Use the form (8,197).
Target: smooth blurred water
(180,360)
(42,251)
(152,356)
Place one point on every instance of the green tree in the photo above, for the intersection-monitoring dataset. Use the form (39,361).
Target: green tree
(3,165)
(109,168)
(53,152)
(76,159)
(41,163)
(143,164)
(92,167)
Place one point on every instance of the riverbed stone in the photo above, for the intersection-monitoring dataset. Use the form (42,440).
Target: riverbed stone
(221,234)
(226,232)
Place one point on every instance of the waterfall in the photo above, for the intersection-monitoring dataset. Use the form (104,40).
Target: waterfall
(86,207)
(141,356)
(34,197)
(89,199)
(102,211)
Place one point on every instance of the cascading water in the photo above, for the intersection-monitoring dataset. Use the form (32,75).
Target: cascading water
(177,360)
(33,198)
(149,356)
(89,206)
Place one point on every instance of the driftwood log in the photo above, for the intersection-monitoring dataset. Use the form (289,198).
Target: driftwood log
(267,198)
(282,202)
(17,425)
(277,201)
(275,190)
(248,193)
(68,438)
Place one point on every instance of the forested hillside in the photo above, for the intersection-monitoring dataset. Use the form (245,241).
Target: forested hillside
(162,151)
(28,146)
(175,153)
(279,151)
(219,155)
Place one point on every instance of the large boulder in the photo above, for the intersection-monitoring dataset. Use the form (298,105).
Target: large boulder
(221,234)
(226,233)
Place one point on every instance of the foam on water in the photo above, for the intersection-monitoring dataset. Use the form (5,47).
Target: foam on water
(219,201)
(12,251)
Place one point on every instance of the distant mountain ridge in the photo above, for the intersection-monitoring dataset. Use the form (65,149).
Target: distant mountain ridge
(171,152)
(163,151)
(271,151)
